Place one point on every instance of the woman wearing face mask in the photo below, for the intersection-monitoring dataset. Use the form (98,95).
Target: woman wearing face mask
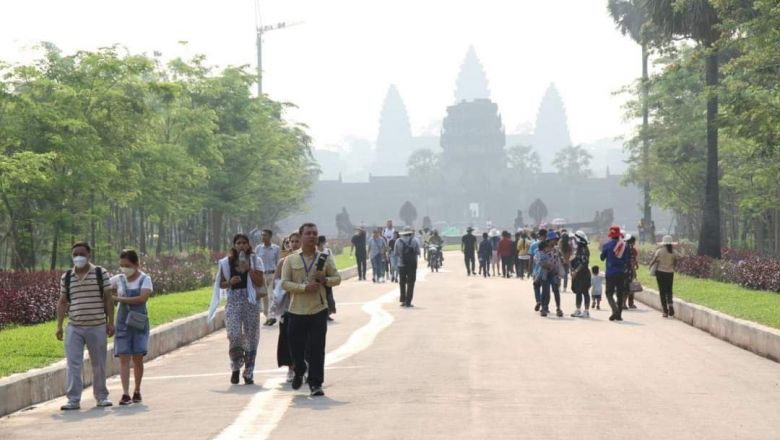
(132,289)
(239,274)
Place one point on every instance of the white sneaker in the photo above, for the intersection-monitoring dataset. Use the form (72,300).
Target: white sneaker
(103,403)
(290,375)
(70,406)
(585,314)
(576,314)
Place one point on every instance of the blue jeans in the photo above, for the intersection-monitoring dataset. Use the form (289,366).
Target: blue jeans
(554,284)
(377,266)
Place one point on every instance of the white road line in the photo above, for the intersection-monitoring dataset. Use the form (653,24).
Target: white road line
(264,412)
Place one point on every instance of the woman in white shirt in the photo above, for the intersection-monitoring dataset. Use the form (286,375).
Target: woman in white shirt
(131,341)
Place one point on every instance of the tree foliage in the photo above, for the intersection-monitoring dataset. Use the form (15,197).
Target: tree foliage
(123,151)
(523,160)
(573,162)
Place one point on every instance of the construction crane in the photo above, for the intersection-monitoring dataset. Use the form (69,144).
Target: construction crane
(260,31)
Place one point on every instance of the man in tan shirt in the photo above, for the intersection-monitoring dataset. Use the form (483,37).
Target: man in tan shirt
(305,276)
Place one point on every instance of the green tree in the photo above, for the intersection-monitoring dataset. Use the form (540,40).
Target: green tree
(573,162)
(522,159)
(699,20)
(631,20)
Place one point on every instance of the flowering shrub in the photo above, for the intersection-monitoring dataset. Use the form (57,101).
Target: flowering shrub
(31,297)
(746,268)
(28,297)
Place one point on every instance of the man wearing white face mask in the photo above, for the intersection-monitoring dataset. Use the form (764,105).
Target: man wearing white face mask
(90,321)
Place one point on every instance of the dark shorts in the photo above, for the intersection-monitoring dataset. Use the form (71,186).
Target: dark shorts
(130,342)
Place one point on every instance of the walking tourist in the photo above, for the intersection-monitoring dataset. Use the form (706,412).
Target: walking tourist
(393,258)
(495,261)
(533,250)
(485,254)
(388,231)
(90,322)
(240,274)
(268,253)
(664,263)
(523,258)
(505,253)
(468,245)
(613,252)
(597,283)
(280,304)
(359,250)
(566,250)
(407,249)
(376,252)
(131,341)
(305,276)
(580,275)
(551,265)
(631,268)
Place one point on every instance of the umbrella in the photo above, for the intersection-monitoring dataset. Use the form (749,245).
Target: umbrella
(559,221)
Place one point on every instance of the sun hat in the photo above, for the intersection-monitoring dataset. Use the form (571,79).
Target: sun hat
(614,231)
(667,239)
(552,235)
(469,229)
(407,231)
(581,237)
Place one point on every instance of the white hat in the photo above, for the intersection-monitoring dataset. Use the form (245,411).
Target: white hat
(667,239)
(581,237)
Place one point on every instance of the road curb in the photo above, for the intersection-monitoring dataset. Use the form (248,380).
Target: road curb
(22,390)
(759,339)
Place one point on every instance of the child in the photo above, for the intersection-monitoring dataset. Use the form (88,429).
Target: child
(596,283)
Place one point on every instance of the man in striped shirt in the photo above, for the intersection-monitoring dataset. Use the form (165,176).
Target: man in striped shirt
(90,322)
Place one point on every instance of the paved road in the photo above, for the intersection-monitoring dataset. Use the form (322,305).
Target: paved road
(470,361)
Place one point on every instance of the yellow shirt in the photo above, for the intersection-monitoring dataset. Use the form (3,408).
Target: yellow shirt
(294,280)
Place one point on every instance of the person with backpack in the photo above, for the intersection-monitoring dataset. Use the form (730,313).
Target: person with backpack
(132,290)
(485,253)
(240,275)
(90,322)
(580,275)
(550,272)
(408,251)
(613,252)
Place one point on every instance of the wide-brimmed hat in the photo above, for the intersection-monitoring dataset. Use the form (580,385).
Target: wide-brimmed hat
(407,231)
(667,239)
(581,237)
(552,235)
(494,233)
(469,229)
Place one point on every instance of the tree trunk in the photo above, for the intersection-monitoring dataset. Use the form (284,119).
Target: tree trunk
(93,228)
(216,230)
(648,214)
(54,248)
(710,238)
(142,230)
(160,238)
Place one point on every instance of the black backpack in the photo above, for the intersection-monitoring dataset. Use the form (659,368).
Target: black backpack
(408,254)
(98,275)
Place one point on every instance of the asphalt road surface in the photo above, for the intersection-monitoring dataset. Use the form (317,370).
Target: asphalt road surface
(471,360)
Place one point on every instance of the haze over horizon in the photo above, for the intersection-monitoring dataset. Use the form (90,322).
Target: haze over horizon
(337,65)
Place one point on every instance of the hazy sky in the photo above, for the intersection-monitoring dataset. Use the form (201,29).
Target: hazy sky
(337,65)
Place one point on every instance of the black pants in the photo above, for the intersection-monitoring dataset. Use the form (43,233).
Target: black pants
(408,278)
(311,329)
(665,281)
(362,265)
(331,300)
(283,355)
(470,261)
(616,284)
(484,266)
(506,266)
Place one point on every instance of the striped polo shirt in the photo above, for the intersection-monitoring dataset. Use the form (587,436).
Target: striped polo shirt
(86,305)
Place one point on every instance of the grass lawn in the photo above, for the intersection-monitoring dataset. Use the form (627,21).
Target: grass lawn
(344,260)
(758,306)
(26,347)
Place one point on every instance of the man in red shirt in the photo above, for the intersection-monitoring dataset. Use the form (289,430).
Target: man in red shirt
(505,253)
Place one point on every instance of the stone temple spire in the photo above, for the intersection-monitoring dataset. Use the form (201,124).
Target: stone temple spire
(472,82)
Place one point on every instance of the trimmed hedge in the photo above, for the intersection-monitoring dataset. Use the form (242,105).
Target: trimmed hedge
(31,297)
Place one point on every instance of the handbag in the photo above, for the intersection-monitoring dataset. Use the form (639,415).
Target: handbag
(136,320)
(653,268)
(635,286)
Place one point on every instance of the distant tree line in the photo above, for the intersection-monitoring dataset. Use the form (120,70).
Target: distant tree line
(121,150)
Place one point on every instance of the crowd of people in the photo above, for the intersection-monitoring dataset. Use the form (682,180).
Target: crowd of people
(557,259)
(293,284)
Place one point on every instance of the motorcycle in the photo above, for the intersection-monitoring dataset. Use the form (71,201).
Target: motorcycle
(434,257)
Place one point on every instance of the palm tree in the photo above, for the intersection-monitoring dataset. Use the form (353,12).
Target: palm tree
(631,20)
(698,20)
